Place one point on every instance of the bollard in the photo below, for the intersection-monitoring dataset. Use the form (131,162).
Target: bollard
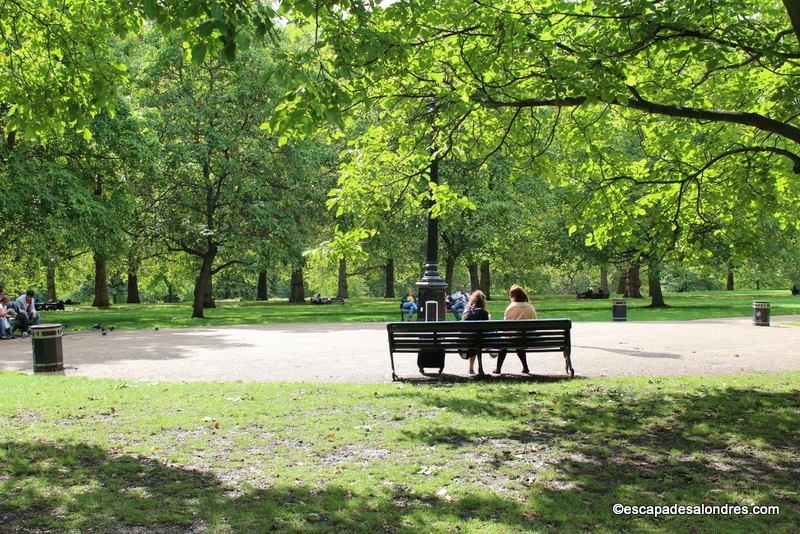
(48,354)
(619,310)
(761,313)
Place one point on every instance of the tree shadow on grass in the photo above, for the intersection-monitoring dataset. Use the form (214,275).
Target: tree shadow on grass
(83,487)
(726,446)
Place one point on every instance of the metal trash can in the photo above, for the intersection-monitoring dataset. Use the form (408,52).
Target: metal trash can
(761,313)
(619,310)
(48,355)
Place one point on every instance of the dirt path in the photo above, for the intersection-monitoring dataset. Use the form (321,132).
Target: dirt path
(358,352)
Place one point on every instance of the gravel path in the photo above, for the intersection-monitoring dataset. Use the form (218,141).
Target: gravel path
(358,352)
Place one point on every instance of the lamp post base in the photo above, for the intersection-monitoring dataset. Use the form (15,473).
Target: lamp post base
(432,290)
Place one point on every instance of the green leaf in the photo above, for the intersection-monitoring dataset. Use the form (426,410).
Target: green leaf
(199,53)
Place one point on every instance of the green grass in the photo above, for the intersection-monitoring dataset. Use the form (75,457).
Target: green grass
(79,454)
(697,305)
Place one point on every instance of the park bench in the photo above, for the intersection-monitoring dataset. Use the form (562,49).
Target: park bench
(593,295)
(432,340)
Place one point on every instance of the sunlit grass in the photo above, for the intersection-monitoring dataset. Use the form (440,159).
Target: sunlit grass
(97,455)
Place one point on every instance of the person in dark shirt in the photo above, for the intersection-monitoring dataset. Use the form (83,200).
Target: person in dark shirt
(475,311)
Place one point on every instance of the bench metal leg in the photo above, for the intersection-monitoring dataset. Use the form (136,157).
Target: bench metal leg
(480,364)
(568,362)
(395,378)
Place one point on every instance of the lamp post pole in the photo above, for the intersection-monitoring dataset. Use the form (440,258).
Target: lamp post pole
(431,287)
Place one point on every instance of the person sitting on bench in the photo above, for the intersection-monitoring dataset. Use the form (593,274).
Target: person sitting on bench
(26,311)
(475,311)
(409,303)
(458,301)
(7,314)
(519,309)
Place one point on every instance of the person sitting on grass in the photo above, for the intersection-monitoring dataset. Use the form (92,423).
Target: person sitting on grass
(6,316)
(475,311)
(520,308)
(409,303)
(795,291)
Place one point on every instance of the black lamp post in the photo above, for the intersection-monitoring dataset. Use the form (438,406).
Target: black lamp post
(431,288)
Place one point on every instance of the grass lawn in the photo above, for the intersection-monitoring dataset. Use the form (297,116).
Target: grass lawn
(682,306)
(509,457)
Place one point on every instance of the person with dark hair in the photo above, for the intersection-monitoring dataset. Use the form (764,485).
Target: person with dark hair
(475,311)
(26,311)
(519,309)
(795,291)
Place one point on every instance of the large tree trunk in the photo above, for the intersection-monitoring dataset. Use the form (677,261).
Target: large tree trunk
(202,285)
(793,9)
(261,289)
(622,283)
(604,279)
(389,279)
(208,294)
(729,281)
(342,290)
(633,287)
(51,282)
(474,280)
(449,269)
(297,292)
(133,284)
(654,288)
(100,282)
(486,281)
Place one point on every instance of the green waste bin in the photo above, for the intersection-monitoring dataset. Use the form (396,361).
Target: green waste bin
(48,354)
(761,313)
(619,310)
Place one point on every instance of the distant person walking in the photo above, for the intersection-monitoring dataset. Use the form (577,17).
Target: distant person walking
(520,308)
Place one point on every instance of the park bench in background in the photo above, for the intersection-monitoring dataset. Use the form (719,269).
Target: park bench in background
(432,340)
(593,295)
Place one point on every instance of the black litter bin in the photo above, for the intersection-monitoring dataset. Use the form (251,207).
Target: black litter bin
(761,313)
(48,355)
(619,310)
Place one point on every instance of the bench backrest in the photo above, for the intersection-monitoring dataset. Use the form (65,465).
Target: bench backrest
(533,334)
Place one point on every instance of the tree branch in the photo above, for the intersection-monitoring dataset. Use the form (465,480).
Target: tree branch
(755,120)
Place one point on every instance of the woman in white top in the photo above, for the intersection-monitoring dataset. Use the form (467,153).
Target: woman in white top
(6,315)
(520,308)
